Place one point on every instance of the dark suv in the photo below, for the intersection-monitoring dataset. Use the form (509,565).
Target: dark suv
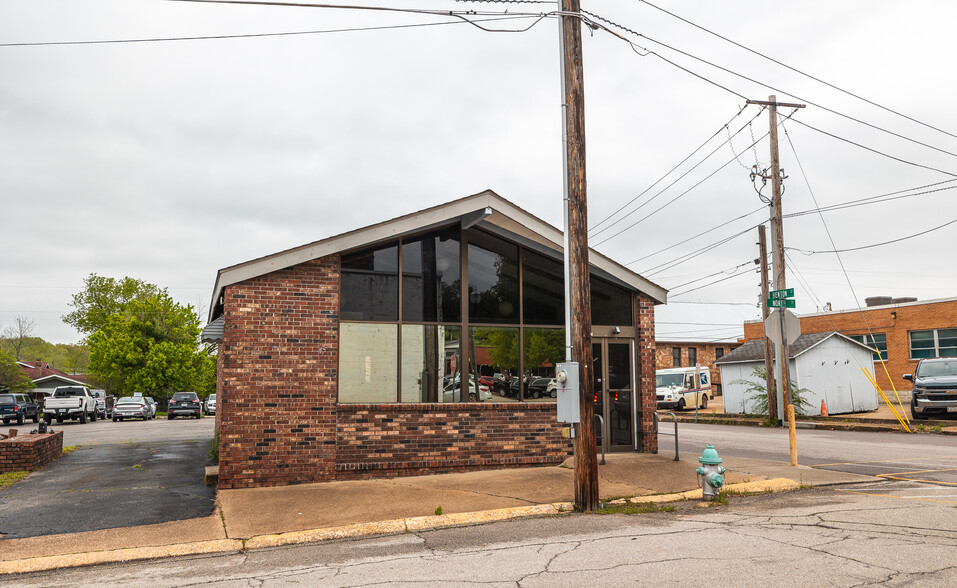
(935,387)
(18,407)
(184,404)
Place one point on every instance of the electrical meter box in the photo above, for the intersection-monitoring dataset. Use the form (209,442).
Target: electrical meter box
(569,397)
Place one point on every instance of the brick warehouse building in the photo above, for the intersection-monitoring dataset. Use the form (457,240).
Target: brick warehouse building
(344,358)
(671,354)
(904,330)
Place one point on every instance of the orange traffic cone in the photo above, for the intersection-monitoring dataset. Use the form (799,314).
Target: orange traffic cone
(823,408)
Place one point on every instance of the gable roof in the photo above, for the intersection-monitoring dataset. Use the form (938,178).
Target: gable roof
(41,371)
(486,210)
(754,350)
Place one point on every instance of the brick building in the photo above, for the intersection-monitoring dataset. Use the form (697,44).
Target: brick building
(669,354)
(904,330)
(360,355)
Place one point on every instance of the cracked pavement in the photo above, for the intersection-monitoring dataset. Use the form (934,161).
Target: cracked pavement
(816,537)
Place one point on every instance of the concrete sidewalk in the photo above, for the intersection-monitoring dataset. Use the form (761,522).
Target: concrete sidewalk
(265,517)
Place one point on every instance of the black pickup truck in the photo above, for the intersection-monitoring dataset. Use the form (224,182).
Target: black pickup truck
(18,407)
(935,387)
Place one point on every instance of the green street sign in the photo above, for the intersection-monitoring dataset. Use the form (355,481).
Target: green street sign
(779,294)
(781,303)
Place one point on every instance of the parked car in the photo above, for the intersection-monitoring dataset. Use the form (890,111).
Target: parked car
(132,407)
(70,402)
(515,382)
(184,404)
(104,403)
(935,387)
(18,407)
(449,393)
(149,402)
(538,388)
(211,404)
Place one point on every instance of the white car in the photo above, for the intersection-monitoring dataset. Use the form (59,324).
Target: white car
(211,404)
(484,393)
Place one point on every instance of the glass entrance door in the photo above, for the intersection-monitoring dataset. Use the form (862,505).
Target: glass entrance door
(613,389)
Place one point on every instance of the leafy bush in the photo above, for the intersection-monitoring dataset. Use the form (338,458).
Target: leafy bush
(758,400)
(213,452)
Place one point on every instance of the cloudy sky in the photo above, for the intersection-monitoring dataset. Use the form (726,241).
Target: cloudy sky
(167,160)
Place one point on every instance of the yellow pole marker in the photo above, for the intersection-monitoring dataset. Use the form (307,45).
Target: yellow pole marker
(894,388)
(890,405)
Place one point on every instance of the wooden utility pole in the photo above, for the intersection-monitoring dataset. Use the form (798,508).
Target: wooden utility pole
(765,313)
(777,242)
(586,459)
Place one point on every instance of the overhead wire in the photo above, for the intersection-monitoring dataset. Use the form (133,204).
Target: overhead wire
(701,234)
(795,70)
(708,285)
(879,199)
(765,85)
(669,172)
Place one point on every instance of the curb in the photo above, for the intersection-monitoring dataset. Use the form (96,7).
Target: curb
(870,425)
(358,530)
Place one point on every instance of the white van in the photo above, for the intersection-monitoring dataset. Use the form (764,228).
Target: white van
(677,387)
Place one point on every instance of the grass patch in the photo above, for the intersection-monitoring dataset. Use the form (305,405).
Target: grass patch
(138,466)
(438,511)
(631,508)
(10,478)
(721,498)
(71,448)
(212,454)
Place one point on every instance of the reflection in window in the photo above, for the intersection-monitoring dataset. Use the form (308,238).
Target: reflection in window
(431,278)
(610,305)
(367,362)
(543,290)
(430,360)
(495,364)
(493,279)
(876,341)
(370,285)
(541,350)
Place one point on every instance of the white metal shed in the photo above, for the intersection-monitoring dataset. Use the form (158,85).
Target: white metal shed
(828,365)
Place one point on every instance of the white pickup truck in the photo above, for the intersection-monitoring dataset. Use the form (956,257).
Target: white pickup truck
(70,402)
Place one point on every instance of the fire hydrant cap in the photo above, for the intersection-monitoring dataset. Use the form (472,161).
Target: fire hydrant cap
(709,456)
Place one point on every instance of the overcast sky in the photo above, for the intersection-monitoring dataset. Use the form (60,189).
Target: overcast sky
(168,160)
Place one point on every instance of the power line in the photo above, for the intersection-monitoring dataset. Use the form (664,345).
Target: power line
(712,275)
(256,35)
(875,150)
(736,275)
(688,256)
(679,164)
(715,228)
(931,230)
(715,303)
(816,79)
(877,199)
(768,86)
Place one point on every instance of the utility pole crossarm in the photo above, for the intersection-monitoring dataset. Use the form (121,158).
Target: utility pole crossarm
(772,103)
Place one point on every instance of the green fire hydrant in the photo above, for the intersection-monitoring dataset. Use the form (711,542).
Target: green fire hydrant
(710,473)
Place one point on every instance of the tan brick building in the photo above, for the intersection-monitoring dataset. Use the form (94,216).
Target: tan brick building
(904,330)
(669,354)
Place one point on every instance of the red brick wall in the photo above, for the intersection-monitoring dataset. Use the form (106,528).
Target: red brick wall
(277,403)
(647,400)
(387,440)
(29,452)
(913,317)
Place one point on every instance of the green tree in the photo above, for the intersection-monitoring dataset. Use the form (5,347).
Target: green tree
(544,346)
(147,343)
(102,298)
(11,376)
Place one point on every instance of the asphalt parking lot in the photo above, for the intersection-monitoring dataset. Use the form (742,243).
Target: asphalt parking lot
(126,473)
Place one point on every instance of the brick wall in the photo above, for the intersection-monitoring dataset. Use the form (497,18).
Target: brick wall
(386,440)
(30,452)
(277,402)
(647,399)
(895,321)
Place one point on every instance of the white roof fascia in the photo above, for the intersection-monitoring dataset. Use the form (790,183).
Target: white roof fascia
(502,213)
(59,377)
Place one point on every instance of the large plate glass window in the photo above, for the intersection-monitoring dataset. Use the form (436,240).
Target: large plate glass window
(370,285)
(368,364)
(541,350)
(543,290)
(430,278)
(494,373)
(610,305)
(430,362)
(493,279)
